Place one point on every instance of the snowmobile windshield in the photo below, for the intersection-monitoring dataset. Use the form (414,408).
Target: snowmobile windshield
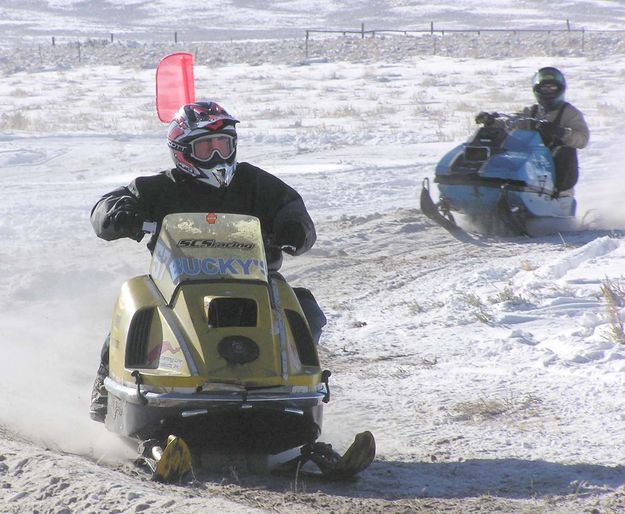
(205,148)
(207,247)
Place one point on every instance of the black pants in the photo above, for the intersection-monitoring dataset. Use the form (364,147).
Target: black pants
(313,313)
(567,172)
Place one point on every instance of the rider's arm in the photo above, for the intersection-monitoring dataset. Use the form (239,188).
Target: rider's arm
(293,224)
(577,132)
(117,214)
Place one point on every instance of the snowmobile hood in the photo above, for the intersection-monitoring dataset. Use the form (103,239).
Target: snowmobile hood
(200,247)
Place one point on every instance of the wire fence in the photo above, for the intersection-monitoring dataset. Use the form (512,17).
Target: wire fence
(442,31)
(358,45)
(434,30)
(180,36)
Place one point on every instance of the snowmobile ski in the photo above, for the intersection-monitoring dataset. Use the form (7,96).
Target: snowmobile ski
(357,458)
(443,217)
(169,465)
(329,464)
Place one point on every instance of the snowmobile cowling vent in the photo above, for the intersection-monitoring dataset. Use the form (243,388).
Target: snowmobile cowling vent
(231,312)
(303,339)
(138,336)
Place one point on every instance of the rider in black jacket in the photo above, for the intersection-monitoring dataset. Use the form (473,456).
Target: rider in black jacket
(281,210)
(202,139)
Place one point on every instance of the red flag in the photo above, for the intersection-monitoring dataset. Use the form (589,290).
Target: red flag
(175,84)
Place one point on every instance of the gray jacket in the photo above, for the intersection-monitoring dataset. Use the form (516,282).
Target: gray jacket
(571,119)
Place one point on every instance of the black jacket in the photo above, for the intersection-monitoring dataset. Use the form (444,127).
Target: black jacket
(252,191)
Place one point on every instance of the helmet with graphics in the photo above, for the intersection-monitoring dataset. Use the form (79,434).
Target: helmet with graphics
(549,87)
(202,139)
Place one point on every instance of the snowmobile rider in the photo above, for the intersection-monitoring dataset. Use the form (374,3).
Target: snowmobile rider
(561,125)
(202,139)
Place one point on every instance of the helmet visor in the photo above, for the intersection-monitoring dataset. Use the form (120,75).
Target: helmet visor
(205,148)
(549,89)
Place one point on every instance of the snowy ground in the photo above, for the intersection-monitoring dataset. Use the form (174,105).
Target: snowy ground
(490,370)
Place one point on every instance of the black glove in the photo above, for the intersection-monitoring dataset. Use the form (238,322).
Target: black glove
(485,118)
(290,234)
(126,218)
(550,130)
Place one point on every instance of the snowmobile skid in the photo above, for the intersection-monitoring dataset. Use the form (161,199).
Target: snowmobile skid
(502,180)
(212,349)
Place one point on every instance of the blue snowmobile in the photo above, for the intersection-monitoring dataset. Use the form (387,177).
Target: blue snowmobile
(502,180)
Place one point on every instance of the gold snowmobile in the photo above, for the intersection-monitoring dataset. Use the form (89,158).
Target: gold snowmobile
(211,349)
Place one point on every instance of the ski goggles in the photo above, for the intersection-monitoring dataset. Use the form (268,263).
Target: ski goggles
(205,148)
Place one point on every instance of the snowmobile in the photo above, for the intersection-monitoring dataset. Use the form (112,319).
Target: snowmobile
(211,349)
(502,180)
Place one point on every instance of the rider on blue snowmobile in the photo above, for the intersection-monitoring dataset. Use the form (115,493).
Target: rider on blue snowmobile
(202,139)
(561,125)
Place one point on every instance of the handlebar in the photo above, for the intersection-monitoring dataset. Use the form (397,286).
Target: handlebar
(271,247)
(509,121)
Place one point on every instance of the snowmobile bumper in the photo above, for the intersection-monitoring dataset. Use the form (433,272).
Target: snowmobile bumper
(284,394)
(274,420)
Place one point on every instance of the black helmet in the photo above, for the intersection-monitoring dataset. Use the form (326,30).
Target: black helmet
(202,139)
(549,87)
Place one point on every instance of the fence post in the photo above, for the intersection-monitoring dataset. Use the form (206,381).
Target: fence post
(53,41)
(568,25)
(175,37)
(432,28)
(111,37)
(78,46)
(306,45)
(362,30)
